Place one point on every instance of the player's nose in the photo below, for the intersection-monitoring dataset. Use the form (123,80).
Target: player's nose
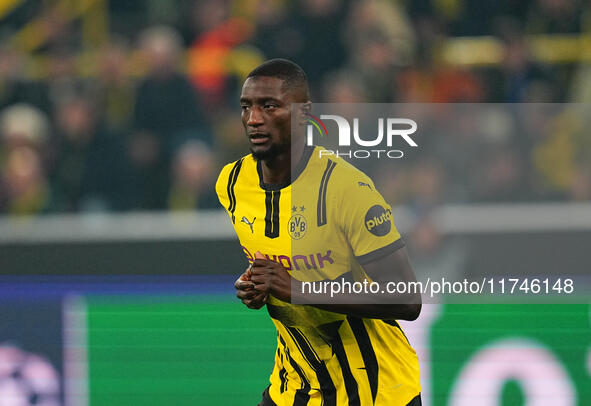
(255,117)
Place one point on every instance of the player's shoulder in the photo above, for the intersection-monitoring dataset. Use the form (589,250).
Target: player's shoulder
(229,172)
(243,161)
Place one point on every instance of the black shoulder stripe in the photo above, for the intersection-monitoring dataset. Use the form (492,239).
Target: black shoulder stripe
(367,353)
(321,205)
(329,394)
(380,252)
(231,183)
(272,213)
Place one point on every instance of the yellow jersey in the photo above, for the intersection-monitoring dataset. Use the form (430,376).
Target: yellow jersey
(329,221)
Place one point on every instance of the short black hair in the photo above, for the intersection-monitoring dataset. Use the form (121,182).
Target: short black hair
(293,76)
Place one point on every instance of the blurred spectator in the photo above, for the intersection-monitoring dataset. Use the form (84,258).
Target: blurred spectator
(275,33)
(520,79)
(64,81)
(343,87)
(432,80)
(167,113)
(15,87)
(319,24)
(308,32)
(91,172)
(554,17)
(192,178)
(113,89)
(23,125)
(209,58)
(441,84)
(380,40)
(24,189)
(521,74)
(230,137)
(24,153)
(10,70)
(58,34)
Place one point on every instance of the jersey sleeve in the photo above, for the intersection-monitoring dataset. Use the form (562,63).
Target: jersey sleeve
(221,186)
(366,220)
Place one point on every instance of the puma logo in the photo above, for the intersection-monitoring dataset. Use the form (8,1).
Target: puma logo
(364,184)
(250,224)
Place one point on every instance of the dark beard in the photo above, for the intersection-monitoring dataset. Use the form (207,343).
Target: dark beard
(273,151)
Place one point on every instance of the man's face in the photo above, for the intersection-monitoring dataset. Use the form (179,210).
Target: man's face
(266,116)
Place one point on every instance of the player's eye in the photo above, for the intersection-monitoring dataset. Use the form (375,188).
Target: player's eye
(270,105)
(244,107)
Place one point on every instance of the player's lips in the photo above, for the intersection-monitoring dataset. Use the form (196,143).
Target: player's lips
(258,137)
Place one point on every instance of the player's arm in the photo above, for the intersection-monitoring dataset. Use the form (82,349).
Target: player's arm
(272,278)
(394,267)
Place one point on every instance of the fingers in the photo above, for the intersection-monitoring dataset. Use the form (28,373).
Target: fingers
(253,292)
(260,277)
(247,294)
(241,284)
(261,260)
(247,273)
(263,270)
(260,285)
(256,302)
(243,281)
(262,263)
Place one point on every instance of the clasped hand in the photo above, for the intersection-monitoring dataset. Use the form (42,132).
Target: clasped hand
(263,278)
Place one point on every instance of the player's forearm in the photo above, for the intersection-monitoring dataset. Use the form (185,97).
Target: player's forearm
(379,305)
(375,311)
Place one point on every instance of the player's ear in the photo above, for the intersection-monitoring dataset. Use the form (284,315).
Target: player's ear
(304,112)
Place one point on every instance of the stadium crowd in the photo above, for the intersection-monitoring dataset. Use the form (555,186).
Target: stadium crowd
(145,121)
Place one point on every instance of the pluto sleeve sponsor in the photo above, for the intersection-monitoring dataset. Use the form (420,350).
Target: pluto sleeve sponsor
(378,220)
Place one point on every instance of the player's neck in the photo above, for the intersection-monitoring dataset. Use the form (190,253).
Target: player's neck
(278,170)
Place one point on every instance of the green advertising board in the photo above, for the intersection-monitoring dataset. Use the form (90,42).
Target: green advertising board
(210,350)
(511,355)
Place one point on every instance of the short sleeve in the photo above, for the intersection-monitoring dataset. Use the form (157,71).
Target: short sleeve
(221,186)
(367,220)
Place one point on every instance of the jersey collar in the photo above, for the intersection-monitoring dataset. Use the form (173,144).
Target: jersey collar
(297,171)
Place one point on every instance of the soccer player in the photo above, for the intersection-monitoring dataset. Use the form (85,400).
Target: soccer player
(340,227)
